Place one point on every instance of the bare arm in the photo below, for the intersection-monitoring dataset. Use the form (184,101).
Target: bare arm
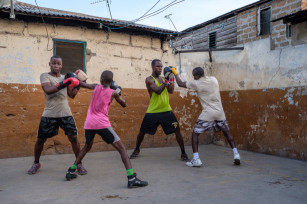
(151,86)
(181,83)
(119,99)
(49,89)
(171,88)
(72,92)
(87,86)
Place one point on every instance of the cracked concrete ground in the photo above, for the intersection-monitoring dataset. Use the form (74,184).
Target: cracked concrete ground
(260,179)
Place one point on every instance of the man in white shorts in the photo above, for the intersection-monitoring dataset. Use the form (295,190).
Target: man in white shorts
(212,115)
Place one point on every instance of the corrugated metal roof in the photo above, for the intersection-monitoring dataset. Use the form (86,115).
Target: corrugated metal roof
(29,9)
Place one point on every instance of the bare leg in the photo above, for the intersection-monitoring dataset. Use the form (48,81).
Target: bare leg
(184,156)
(84,150)
(119,146)
(38,148)
(139,141)
(74,144)
(195,142)
(229,139)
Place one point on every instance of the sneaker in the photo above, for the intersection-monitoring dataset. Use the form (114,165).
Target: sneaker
(184,157)
(71,174)
(81,170)
(134,182)
(236,159)
(194,162)
(35,167)
(135,154)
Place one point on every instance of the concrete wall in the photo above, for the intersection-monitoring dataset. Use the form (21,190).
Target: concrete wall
(24,55)
(264,94)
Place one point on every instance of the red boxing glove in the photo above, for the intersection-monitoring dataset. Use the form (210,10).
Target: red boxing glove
(73,82)
(165,82)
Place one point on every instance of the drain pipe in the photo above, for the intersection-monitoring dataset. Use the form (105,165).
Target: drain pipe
(12,14)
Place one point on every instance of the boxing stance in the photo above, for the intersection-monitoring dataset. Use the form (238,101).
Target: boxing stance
(57,112)
(159,111)
(97,122)
(212,115)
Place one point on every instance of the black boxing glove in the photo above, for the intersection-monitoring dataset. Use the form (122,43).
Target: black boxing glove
(166,72)
(115,87)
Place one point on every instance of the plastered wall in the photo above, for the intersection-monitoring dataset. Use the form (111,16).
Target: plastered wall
(24,55)
(264,94)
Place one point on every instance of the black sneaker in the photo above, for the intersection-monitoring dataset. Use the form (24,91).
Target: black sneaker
(71,174)
(134,182)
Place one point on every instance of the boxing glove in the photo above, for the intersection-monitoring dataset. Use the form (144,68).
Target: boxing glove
(174,70)
(81,75)
(166,72)
(70,74)
(115,87)
(68,82)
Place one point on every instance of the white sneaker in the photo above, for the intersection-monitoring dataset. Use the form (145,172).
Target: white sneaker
(236,159)
(194,162)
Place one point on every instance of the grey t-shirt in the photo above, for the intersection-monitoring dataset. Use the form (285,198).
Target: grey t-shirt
(56,104)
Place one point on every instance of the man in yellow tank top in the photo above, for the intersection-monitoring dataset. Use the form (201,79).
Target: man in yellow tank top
(159,111)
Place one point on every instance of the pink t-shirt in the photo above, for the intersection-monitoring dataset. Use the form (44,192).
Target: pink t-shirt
(97,114)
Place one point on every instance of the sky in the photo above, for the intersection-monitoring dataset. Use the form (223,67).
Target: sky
(184,14)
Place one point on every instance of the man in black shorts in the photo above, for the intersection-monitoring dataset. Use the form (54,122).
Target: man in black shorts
(57,112)
(159,111)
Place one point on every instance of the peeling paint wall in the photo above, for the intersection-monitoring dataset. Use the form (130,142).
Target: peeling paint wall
(263,93)
(24,54)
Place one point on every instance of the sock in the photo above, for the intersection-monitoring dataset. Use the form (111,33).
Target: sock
(74,166)
(195,155)
(129,172)
(36,162)
(235,151)
(182,151)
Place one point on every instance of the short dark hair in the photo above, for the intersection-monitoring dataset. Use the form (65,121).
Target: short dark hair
(198,71)
(107,76)
(55,57)
(153,62)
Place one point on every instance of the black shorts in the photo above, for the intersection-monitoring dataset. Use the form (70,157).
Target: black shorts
(107,134)
(167,120)
(49,127)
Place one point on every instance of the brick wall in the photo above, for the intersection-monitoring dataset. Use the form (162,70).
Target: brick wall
(247,23)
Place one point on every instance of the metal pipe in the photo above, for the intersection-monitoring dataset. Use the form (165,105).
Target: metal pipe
(209,50)
(12,14)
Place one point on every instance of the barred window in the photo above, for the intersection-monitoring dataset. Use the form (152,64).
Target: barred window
(72,54)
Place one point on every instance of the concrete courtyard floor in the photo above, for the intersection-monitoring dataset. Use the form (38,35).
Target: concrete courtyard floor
(259,179)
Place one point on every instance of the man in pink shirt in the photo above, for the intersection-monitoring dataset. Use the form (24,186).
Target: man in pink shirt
(97,122)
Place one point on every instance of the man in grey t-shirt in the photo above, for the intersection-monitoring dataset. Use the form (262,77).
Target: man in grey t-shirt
(57,112)
(212,115)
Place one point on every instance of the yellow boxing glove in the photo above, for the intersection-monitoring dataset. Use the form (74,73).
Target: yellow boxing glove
(174,71)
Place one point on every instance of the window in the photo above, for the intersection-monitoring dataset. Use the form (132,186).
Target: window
(288,31)
(72,54)
(264,20)
(212,40)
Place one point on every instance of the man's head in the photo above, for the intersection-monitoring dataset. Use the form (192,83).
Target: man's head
(106,77)
(156,66)
(198,72)
(55,64)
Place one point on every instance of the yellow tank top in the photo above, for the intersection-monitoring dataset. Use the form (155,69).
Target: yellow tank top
(159,103)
